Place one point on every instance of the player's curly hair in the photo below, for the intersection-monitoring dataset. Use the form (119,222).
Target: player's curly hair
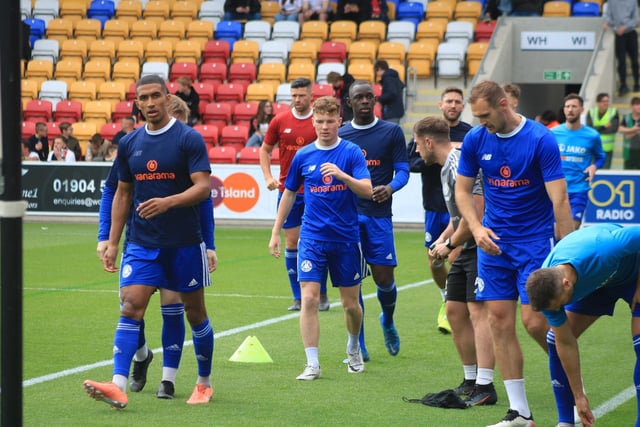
(326,105)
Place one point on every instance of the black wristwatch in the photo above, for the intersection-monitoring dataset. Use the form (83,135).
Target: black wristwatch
(448,244)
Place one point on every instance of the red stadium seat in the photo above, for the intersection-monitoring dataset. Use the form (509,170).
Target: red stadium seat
(318,90)
(242,73)
(213,71)
(280,107)
(220,154)
(38,110)
(209,134)
(249,156)
(122,109)
(28,129)
(205,91)
(245,112)
(109,130)
(183,69)
(230,92)
(217,114)
(235,136)
(131,93)
(53,130)
(68,111)
(332,52)
(484,30)
(216,51)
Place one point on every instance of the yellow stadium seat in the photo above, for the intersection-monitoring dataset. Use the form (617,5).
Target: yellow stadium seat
(68,70)
(29,89)
(126,70)
(82,91)
(171,30)
(269,9)
(392,52)
(556,9)
(257,92)
(97,70)
(301,69)
(98,112)
(105,49)
(431,30)
(143,30)
(200,31)
(116,30)
(73,49)
(303,51)
(272,71)
(187,51)
(88,30)
(131,49)
(60,29)
(83,131)
(361,72)
(373,31)
(468,10)
(184,11)
(362,52)
(439,10)
(245,51)
(420,57)
(343,31)
(74,10)
(475,53)
(129,11)
(39,70)
(315,30)
(157,11)
(113,92)
(159,51)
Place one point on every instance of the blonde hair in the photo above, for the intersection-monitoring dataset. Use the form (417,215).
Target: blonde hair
(326,105)
(178,108)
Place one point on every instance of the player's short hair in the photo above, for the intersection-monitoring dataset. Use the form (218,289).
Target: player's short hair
(301,83)
(488,90)
(359,83)
(452,89)
(601,96)
(572,96)
(434,127)
(178,108)
(153,79)
(512,89)
(326,105)
(333,77)
(543,285)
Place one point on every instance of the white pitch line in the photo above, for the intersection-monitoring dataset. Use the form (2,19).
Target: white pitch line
(115,291)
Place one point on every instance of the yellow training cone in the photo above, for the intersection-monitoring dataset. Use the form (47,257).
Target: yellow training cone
(251,351)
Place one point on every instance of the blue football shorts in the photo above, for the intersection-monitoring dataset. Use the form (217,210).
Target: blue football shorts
(462,277)
(434,224)
(376,237)
(504,276)
(295,215)
(603,300)
(344,261)
(578,203)
(182,269)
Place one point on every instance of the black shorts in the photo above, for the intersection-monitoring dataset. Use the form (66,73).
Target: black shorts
(462,277)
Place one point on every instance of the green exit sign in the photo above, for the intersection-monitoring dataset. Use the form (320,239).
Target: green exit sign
(557,75)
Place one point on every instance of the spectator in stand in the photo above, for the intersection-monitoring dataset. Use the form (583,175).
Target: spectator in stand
(513,94)
(27,154)
(127,124)
(630,129)
(97,148)
(242,10)
(354,10)
(289,11)
(314,10)
(526,7)
(392,87)
(188,94)
(260,124)
(548,118)
(39,142)
(60,152)
(622,17)
(66,130)
(380,11)
(606,121)
(112,153)
(341,85)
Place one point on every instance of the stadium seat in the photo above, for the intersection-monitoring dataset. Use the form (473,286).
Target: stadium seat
(68,111)
(361,72)
(25,9)
(73,10)
(343,31)
(45,49)
(27,129)
(83,131)
(115,30)
(44,9)
(68,70)
(131,50)
(102,10)
(244,112)
(213,71)
(247,51)
(122,109)
(484,30)
(217,114)
(82,91)
(373,31)
(109,130)
(331,51)
(216,51)
(37,27)
(228,29)
(421,57)
(285,31)
(200,31)
(172,30)
(53,131)
(274,51)
(303,51)
(73,49)
(475,53)
(432,29)
(97,70)
(219,154)
(159,51)
(319,90)
(450,61)
(459,32)
(113,92)
(158,68)
(53,91)
(314,30)
(585,8)
(281,107)
(410,11)
(129,11)
(102,49)
(59,29)
(184,11)
(269,9)
(231,93)
(209,134)
(439,11)
(39,70)
(283,93)
(88,30)
(156,11)
(401,32)
(29,89)
(327,67)
(212,11)
(556,9)
(131,92)
(468,10)
(38,111)
(298,70)
(362,52)
(249,156)
(183,69)
(144,31)
(126,71)
(98,112)
(235,136)
(259,92)
(272,71)
(187,51)
(257,31)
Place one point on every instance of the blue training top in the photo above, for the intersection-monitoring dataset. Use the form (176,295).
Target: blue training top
(159,164)
(385,149)
(330,207)
(578,149)
(603,255)
(515,167)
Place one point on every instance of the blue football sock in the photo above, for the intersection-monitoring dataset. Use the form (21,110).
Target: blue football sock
(172,334)
(560,383)
(361,336)
(387,296)
(636,375)
(203,346)
(291,263)
(125,344)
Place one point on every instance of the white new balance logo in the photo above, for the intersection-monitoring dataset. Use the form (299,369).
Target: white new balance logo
(486,156)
